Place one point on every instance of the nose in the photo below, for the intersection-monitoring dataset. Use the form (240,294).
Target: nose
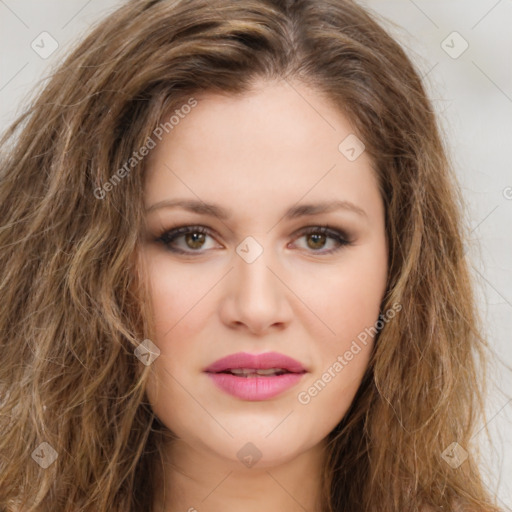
(255,298)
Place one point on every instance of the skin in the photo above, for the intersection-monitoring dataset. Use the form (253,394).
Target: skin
(257,155)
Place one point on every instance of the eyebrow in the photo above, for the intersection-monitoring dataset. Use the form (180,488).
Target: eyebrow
(293,212)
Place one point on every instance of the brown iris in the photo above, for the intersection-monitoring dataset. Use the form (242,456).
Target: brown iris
(196,239)
(319,238)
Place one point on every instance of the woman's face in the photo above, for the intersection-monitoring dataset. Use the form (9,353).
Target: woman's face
(261,277)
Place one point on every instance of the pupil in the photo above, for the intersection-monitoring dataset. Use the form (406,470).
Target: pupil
(318,237)
(196,238)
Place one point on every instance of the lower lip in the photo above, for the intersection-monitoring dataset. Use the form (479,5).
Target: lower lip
(255,388)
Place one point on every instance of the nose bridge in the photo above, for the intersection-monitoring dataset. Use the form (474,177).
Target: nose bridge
(251,268)
(257,297)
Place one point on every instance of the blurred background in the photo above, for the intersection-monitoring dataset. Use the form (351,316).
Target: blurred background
(463,50)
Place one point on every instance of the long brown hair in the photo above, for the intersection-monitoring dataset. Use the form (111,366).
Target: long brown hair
(73,302)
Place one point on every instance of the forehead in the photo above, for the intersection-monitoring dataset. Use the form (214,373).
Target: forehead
(279,142)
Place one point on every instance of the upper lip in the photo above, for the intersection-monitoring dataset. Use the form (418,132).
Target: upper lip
(256,361)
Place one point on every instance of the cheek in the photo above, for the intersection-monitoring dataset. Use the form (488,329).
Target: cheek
(342,361)
(175,300)
(177,297)
(348,303)
(345,299)
(328,396)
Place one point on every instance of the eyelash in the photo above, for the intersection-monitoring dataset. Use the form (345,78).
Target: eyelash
(170,235)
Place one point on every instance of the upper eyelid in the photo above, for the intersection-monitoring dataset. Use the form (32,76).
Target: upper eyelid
(309,227)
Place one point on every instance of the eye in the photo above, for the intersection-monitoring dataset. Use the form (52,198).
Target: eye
(318,236)
(192,237)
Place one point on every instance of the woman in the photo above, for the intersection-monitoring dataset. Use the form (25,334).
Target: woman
(233,273)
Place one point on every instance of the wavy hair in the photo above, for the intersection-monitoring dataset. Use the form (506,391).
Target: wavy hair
(74,305)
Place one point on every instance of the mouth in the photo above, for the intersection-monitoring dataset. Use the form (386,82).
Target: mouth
(250,373)
(255,376)
(248,365)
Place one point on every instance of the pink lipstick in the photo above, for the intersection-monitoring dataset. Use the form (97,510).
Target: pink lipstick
(255,376)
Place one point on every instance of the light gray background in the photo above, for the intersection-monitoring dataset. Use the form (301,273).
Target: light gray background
(472,95)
